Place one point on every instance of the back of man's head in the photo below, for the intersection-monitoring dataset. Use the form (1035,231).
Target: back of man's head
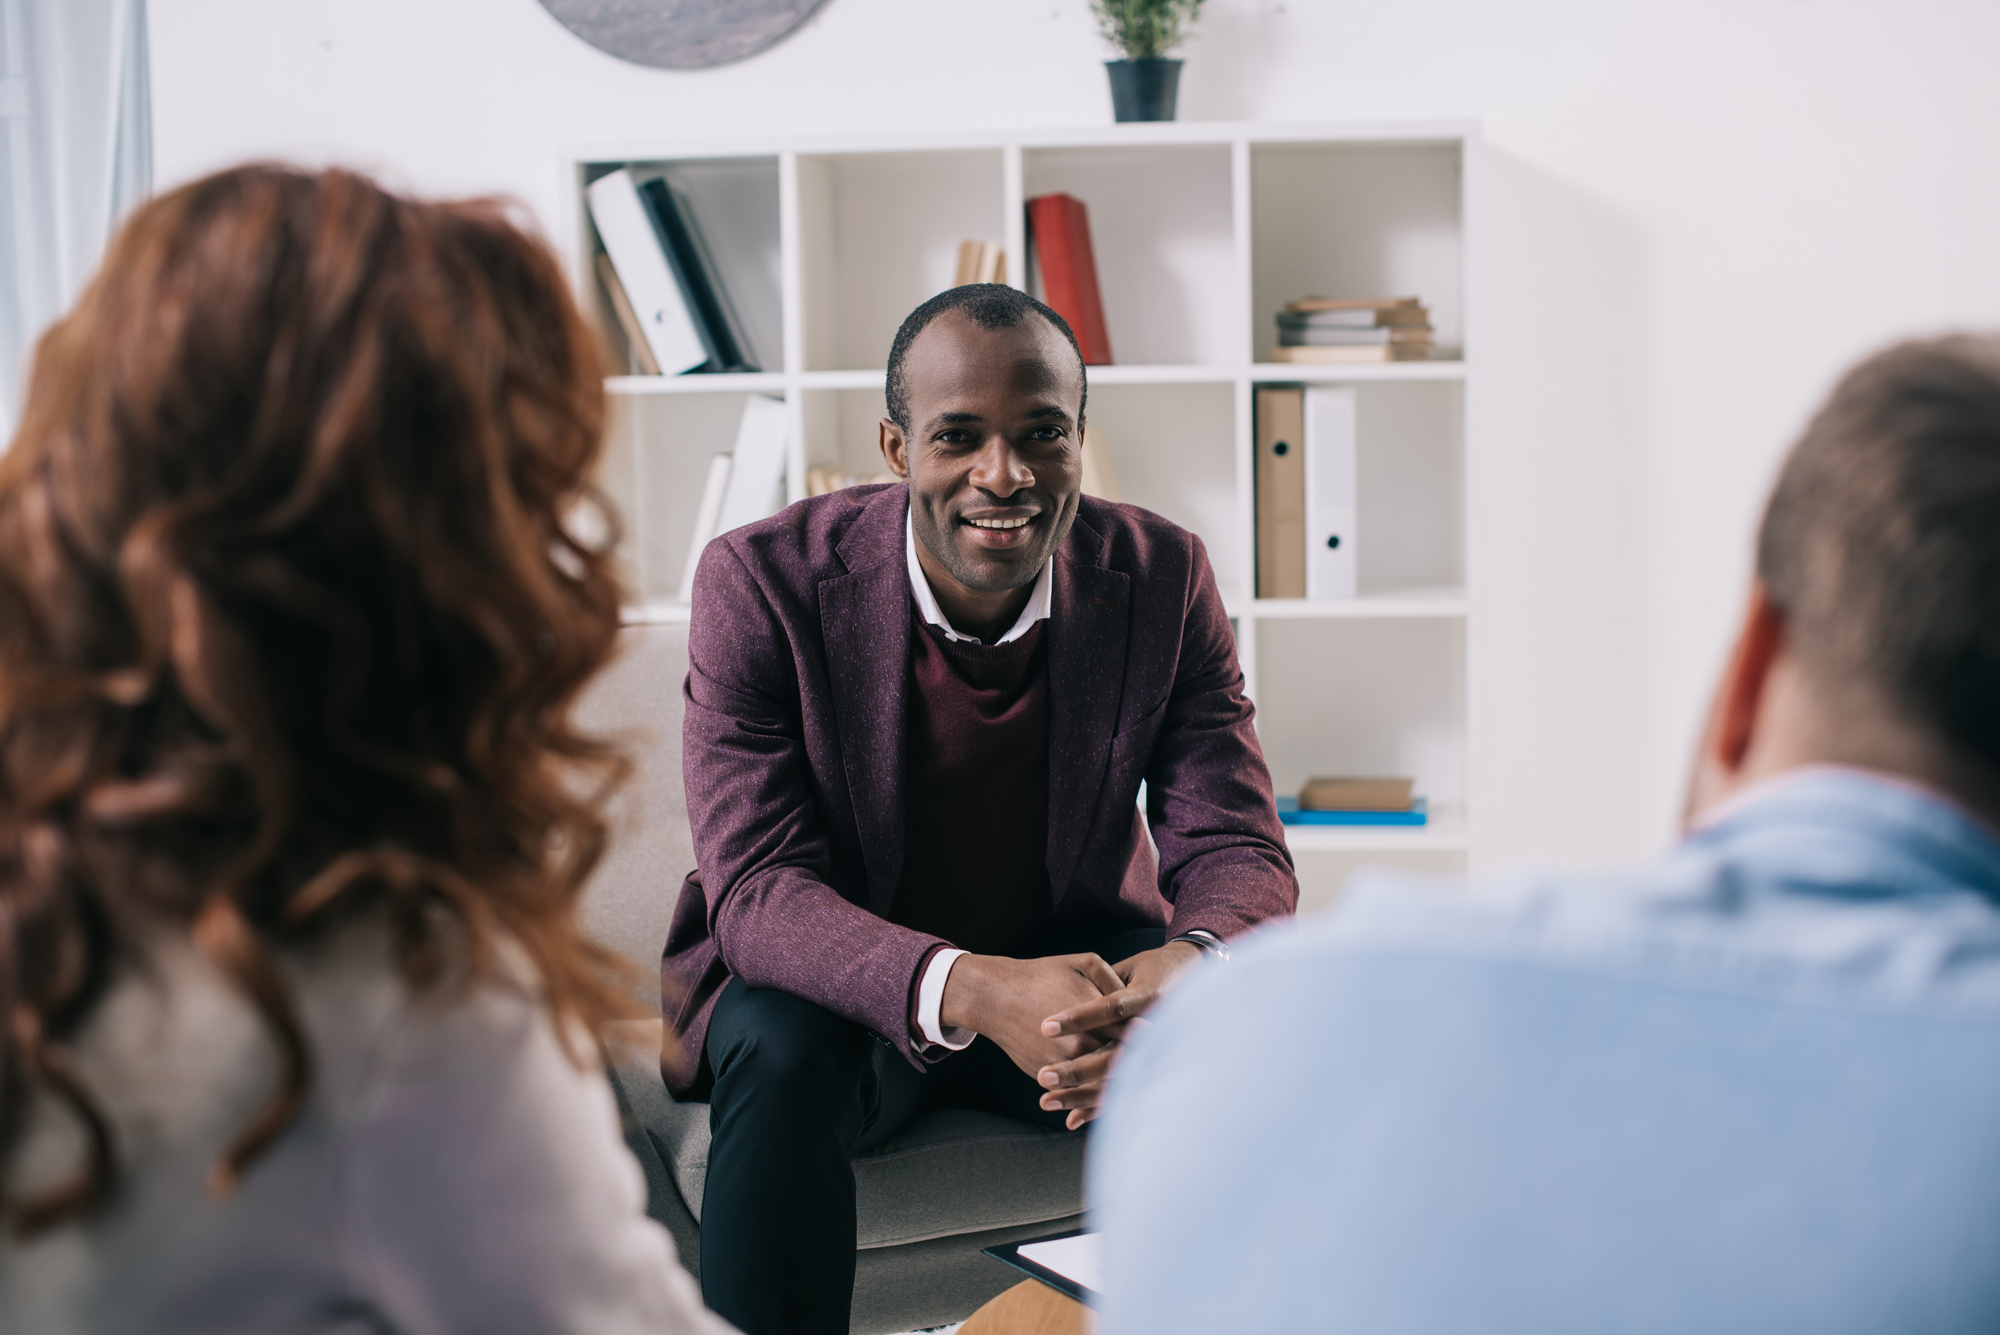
(1881,544)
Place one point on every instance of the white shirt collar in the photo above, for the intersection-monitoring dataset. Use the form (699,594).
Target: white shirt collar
(927,604)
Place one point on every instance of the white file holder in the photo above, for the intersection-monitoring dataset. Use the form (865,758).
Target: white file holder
(1331,509)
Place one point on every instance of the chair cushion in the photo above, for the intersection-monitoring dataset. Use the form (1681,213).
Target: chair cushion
(960,1171)
(951,1171)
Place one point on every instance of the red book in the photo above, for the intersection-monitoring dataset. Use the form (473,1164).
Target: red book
(1061,228)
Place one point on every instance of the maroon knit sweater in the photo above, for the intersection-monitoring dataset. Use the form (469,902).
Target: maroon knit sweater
(976,792)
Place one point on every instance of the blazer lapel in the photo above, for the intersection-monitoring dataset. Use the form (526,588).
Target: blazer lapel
(1089,616)
(865,625)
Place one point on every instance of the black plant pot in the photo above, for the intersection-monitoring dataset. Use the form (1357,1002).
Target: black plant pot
(1143,90)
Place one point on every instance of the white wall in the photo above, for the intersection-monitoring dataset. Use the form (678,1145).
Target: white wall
(1699,211)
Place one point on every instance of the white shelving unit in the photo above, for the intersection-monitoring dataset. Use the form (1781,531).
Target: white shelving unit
(1201,232)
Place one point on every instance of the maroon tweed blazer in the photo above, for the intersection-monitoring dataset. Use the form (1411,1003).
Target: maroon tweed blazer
(798,678)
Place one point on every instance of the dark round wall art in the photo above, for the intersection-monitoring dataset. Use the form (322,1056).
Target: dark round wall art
(680,34)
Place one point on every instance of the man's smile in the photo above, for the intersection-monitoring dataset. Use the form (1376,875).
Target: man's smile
(1007,530)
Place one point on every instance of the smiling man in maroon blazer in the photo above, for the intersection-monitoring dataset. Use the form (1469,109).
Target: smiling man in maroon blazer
(918,719)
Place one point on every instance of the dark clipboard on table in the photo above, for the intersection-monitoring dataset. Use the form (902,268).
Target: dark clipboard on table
(1066,1262)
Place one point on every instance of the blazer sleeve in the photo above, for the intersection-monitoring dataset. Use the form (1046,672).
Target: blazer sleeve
(776,920)
(1223,861)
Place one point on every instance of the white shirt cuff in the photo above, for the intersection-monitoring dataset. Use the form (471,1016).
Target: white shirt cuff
(930,1000)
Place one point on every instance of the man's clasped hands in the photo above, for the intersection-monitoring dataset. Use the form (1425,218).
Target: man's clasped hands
(1062,1017)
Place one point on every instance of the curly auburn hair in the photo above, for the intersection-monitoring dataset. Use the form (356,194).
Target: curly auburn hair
(290,624)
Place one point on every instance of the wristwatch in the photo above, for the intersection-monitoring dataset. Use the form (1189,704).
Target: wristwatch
(1206,942)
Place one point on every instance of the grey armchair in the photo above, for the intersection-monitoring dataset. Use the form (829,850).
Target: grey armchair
(954,1182)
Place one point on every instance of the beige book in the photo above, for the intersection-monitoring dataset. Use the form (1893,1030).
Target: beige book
(1100,479)
(628,319)
(1351,794)
(1281,492)
(1350,354)
(823,479)
(980,262)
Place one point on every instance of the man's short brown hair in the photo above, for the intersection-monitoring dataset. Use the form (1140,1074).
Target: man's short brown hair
(1881,543)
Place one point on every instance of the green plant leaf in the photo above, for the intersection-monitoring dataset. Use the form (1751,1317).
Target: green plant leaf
(1145,29)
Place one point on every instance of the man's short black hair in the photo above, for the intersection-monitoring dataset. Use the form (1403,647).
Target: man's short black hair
(988,305)
(1881,544)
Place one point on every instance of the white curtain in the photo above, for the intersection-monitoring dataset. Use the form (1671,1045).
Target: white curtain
(76,151)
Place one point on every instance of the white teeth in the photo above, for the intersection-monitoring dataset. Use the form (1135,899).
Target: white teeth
(997,523)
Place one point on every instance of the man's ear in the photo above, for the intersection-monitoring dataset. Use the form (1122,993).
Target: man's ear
(1740,697)
(895,451)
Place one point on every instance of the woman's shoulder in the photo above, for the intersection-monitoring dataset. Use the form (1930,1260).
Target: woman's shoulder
(452,1152)
(484,1143)
(371,1027)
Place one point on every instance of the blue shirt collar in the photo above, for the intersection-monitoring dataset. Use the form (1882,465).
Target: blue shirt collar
(1936,842)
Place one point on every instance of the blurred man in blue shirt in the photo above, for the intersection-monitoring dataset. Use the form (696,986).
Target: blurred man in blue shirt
(1753,1087)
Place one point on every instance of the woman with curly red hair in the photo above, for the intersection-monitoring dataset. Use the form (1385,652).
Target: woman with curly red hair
(293,815)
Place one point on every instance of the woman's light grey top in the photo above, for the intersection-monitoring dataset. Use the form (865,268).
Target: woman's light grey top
(453,1170)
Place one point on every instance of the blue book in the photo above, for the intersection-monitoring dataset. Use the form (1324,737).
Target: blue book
(1289,813)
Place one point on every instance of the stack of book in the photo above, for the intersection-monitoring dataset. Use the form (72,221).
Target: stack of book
(1355,801)
(825,479)
(662,280)
(1353,329)
(980,262)
(1100,477)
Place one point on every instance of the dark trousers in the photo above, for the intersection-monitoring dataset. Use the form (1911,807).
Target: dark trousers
(798,1093)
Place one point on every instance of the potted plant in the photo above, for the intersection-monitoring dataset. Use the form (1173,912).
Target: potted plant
(1145,83)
